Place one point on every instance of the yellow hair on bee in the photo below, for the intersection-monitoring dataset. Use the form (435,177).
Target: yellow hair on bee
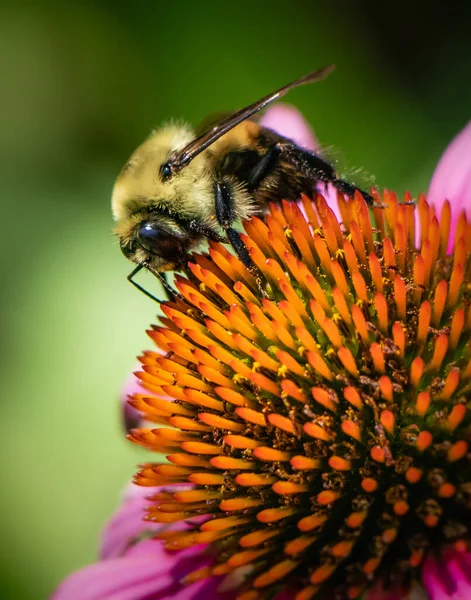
(140,187)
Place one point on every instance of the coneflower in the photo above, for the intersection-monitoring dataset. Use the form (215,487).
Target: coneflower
(315,419)
(323,418)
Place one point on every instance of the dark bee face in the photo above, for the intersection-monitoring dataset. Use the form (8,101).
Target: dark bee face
(158,242)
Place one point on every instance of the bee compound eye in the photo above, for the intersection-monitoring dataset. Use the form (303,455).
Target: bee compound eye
(165,171)
(158,241)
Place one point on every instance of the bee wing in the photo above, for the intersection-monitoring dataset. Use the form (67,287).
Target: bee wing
(186,154)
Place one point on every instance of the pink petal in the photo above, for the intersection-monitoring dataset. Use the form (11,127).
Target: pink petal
(452,179)
(131,417)
(125,578)
(146,572)
(203,590)
(289,122)
(448,577)
(127,524)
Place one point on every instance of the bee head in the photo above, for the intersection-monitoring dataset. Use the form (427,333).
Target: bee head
(154,240)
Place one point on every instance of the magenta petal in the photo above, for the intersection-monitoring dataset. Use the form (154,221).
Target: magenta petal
(202,590)
(452,178)
(131,416)
(449,576)
(289,122)
(127,524)
(146,572)
(125,578)
(436,579)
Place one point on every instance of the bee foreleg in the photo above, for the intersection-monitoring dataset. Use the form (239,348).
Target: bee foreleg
(234,238)
(226,215)
(171,293)
(315,168)
(206,231)
(224,203)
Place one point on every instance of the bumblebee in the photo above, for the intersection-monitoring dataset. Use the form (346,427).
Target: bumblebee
(179,188)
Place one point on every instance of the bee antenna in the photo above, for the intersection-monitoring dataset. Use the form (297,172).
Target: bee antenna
(171,293)
(130,278)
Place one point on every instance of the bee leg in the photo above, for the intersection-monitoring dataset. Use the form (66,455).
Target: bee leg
(314,167)
(224,204)
(234,239)
(169,291)
(263,167)
(226,215)
(202,229)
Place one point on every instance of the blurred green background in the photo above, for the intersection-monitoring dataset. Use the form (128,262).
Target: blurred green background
(81,85)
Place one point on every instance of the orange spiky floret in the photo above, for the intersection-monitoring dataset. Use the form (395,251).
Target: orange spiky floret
(319,409)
